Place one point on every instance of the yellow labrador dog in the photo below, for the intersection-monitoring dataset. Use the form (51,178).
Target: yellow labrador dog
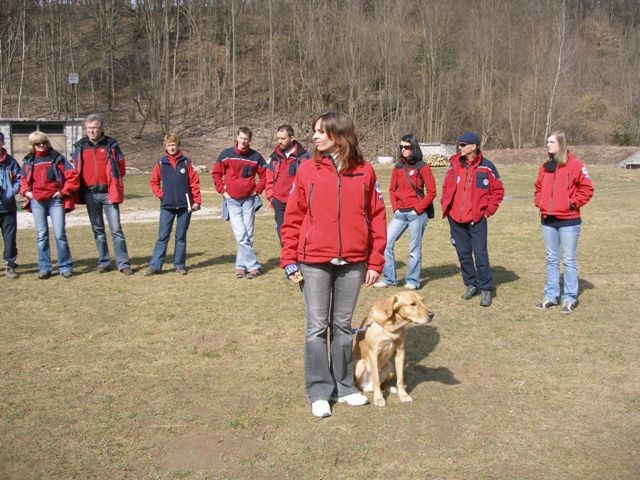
(378,351)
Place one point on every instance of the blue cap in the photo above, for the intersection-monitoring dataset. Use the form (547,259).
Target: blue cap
(469,137)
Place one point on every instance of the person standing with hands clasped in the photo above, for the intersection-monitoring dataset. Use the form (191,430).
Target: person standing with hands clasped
(49,183)
(563,186)
(175,182)
(333,236)
(471,193)
(411,209)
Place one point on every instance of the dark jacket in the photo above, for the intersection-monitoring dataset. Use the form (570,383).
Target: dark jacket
(173,179)
(10,175)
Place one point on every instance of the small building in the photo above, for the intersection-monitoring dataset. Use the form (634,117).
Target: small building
(62,132)
(444,149)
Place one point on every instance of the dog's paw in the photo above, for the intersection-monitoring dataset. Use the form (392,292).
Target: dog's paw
(379,401)
(405,397)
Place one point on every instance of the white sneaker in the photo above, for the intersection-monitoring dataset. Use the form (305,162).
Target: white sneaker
(321,409)
(410,286)
(380,284)
(354,399)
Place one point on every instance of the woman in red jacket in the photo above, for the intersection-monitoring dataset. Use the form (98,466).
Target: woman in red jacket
(49,183)
(562,187)
(410,177)
(334,234)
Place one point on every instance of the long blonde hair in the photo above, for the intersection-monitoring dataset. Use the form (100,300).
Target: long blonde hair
(339,128)
(561,137)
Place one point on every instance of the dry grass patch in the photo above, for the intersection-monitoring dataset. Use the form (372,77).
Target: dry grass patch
(200,376)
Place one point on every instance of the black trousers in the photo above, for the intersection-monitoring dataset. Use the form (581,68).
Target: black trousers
(470,240)
(279,209)
(9,227)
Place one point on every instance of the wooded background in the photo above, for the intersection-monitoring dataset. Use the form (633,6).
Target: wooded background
(511,70)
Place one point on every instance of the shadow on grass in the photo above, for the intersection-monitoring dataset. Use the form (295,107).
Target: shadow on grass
(421,341)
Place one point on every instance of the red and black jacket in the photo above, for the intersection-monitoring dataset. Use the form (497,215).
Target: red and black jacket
(334,215)
(281,171)
(478,195)
(235,172)
(98,162)
(44,175)
(172,179)
(562,191)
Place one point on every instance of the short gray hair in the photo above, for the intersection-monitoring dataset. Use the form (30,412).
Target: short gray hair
(95,117)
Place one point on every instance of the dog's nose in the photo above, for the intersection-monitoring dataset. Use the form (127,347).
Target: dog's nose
(430,314)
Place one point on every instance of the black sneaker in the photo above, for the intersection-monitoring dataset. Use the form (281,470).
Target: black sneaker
(469,293)
(568,307)
(485,298)
(545,305)
(43,275)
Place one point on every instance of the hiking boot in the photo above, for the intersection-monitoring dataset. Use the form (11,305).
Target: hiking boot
(43,275)
(10,273)
(469,293)
(485,298)
(254,273)
(126,271)
(240,273)
(67,274)
(545,305)
(103,269)
(568,307)
(181,271)
(150,271)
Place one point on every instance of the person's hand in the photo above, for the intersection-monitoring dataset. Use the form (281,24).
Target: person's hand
(28,195)
(293,273)
(195,207)
(58,194)
(370,278)
(226,195)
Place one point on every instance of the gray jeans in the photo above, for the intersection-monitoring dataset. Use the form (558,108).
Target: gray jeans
(330,296)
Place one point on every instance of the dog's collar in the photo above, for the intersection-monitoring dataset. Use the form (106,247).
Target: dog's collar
(361,329)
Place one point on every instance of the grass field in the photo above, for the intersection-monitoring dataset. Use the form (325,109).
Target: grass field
(200,377)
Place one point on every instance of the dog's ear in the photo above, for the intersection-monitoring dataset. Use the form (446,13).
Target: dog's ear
(382,310)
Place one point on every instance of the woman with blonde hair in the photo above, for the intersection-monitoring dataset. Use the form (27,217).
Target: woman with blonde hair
(49,183)
(333,236)
(563,186)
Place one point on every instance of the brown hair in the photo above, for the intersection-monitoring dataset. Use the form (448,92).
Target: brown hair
(561,137)
(339,128)
(247,131)
(172,137)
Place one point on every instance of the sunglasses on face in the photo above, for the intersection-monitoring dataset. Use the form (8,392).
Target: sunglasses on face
(406,147)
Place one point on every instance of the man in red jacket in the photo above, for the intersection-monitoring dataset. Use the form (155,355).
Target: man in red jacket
(234,176)
(471,193)
(101,166)
(281,171)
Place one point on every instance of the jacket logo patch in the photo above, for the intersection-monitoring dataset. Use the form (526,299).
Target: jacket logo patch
(377,187)
(485,181)
(183,171)
(585,172)
(412,172)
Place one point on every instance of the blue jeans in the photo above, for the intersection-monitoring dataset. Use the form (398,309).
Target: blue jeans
(399,223)
(164,232)
(242,218)
(567,238)
(330,296)
(97,203)
(41,210)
